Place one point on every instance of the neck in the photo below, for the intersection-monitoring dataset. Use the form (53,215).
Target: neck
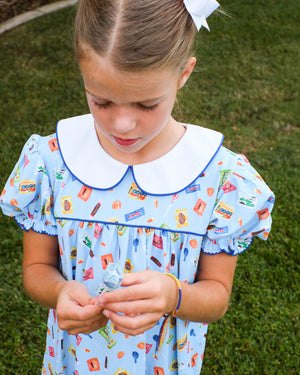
(156,148)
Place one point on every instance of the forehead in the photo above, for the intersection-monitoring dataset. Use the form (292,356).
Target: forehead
(101,78)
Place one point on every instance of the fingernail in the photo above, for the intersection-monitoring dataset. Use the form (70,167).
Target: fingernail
(99,303)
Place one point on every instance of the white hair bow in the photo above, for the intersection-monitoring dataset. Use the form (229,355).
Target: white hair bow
(200,10)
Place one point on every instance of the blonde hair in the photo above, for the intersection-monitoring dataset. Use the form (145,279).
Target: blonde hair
(135,35)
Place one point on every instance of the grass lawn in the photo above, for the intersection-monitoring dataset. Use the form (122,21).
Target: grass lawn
(247,87)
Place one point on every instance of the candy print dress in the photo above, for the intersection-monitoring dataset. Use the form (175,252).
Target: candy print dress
(160,216)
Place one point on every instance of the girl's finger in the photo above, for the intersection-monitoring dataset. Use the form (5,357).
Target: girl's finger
(78,317)
(140,277)
(133,278)
(75,326)
(137,307)
(73,311)
(132,325)
(139,291)
(126,294)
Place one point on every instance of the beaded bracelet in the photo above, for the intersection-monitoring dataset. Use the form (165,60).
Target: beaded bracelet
(174,312)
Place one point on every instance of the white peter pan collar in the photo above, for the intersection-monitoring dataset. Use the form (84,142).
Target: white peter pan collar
(169,174)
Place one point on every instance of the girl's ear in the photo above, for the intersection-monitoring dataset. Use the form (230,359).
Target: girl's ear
(189,67)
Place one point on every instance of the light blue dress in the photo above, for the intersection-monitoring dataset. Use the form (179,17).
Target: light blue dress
(200,197)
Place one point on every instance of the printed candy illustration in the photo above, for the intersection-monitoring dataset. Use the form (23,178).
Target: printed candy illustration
(67,205)
(135,214)
(122,372)
(224,210)
(85,193)
(104,332)
(136,193)
(248,201)
(192,188)
(27,186)
(93,364)
(53,145)
(88,274)
(181,218)
(117,205)
(128,266)
(95,210)
(200,207)
(106,259)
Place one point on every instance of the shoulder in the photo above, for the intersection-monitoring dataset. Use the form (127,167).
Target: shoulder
(40,144)
(238,166)
(41,148)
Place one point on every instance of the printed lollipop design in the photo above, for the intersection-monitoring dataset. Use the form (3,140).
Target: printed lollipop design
(174,198)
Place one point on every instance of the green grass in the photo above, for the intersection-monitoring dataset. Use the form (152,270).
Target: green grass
(246,86)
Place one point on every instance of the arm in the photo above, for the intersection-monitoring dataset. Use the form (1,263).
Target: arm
(41,278)
(150,294)
(207,300)
(44,283)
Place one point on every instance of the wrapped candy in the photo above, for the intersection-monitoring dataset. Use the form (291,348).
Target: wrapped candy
(112,278)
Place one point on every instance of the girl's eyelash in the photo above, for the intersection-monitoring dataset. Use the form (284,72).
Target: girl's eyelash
(148,108)
(101,105)
(142,106)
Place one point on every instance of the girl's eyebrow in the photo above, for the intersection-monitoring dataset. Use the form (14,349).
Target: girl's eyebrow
(94,96)
(159,98)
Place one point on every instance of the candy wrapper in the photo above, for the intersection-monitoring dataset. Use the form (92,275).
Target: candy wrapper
(112,278)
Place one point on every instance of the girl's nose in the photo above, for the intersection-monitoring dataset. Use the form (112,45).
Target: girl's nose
(124,119)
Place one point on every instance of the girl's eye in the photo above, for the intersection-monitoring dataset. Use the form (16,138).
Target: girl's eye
(140,105)
(101,105)
(148,108)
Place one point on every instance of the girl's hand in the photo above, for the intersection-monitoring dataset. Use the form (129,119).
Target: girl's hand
(75,313)
(147,297)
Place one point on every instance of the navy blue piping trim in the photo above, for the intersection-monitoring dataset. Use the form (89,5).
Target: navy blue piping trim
(37,231)
(82,182)
(178,191)
(129,225)
(132,170)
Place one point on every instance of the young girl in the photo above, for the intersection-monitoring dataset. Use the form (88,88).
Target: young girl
(129,184)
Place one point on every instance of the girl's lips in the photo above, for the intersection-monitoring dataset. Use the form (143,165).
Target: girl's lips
(125,142)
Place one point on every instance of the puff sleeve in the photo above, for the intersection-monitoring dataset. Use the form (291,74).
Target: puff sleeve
(27,195)
(243,206)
